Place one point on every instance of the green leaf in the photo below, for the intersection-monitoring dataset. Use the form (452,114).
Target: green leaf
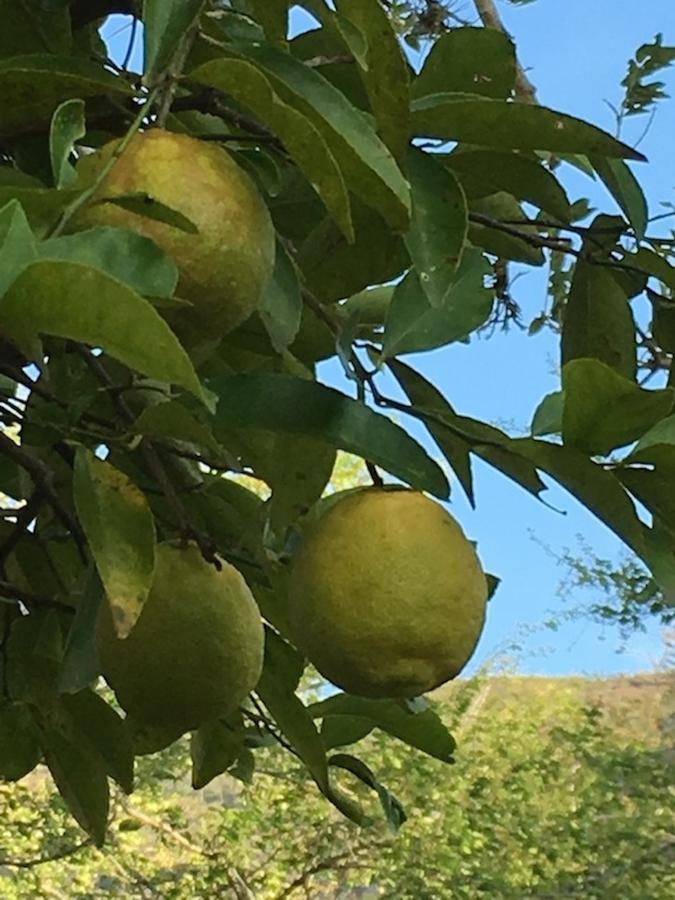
(547,418)
(32,87)
(67,127)
(392,808)
(41,205)
(80,666)
(295,723)
(30,30)
(603,410)
(126,256)
(368,167)
(335,269)
(423,730)
(657,445)
(283,660)
(456,435)
(72,301)
(172,420)
(485,172)
(438,227)
(311,150)
(17,244)
(214,747)
(598,321)
(655,489)
(384,70)
(339,731)
(80,775)
(144,205)
(652,264)
(273,16)
(469,61)
(106,732)
(120,530)
(412,324)
(290,405)
(511,126)
(165,24)
(626,190)
(598,489)
(281,304)
(19,744)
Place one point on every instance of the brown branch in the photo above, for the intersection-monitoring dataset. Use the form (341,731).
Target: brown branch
(524,89)
(44,479)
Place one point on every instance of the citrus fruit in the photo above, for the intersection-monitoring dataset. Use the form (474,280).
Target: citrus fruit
(225,266)
(196,650)
(387,596)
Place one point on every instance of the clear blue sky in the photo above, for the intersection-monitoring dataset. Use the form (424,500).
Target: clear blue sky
(576,54)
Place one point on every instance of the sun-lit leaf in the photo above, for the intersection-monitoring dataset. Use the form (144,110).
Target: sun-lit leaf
(73,301)
(17,244)
(67,127)
(603,410)
(120,530)
(302,137)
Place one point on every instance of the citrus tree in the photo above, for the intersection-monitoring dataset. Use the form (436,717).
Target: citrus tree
(178,251)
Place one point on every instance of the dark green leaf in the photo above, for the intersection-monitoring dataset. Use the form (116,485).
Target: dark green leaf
(303,138)
(80,666)
(423,730)
(335,269)
(172,420)
(485,172)
(503,207)
(126,256)
(456,435)
(67,127)
(626,190)
(273,16)
(438,228)
(393,811)
(166,23)
(281,304)
(469,61)
(26,29)
(285,404)
(214,747)
(73,301)
(120,530)
(603,410)
(106,732)
(19,744)
(339,731)
(145,205)
(31,87)
(80,775)
(511,126)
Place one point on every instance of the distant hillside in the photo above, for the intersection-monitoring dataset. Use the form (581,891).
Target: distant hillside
(562,787)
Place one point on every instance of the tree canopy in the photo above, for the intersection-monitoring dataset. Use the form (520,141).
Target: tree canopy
(400,201)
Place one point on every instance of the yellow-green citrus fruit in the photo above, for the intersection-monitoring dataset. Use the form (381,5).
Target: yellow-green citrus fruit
(224,268)
(387,595)
(196,650)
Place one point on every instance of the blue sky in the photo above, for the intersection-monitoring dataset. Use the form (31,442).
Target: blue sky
(576,56)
